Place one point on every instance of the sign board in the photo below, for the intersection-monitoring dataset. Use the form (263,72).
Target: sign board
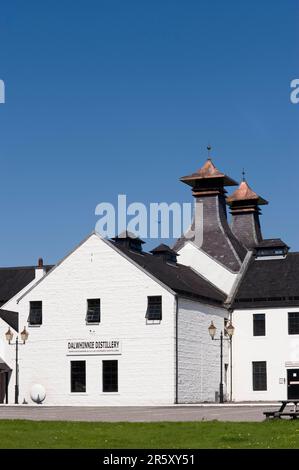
(292,364)
(110,346)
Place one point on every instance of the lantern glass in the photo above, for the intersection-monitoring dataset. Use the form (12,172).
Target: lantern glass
(24,335)
(212,330)
(9,335)
(230,329)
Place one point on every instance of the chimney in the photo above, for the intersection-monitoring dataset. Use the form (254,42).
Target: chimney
(40,270)
(244,207)
(212,233)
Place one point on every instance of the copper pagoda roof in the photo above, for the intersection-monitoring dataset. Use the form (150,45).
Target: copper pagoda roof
(207,172)
(245,193)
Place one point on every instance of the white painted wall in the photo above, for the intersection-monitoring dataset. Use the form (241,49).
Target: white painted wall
(277,348)
(147,362)
(199,356)
(221,277)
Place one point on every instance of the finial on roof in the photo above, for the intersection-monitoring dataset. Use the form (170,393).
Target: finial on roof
(243,175)
(209,148)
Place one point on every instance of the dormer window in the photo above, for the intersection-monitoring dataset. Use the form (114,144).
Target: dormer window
(172,258)
(271,248)
(93,314)
(135,245)
(270,252)
(129,241)
(165,253)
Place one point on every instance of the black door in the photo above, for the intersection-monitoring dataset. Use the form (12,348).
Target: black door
(2,386)
(293,384)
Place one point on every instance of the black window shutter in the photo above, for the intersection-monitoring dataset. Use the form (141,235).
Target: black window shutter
(154,307)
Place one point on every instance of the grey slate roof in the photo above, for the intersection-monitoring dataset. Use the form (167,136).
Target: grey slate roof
(270,283)
(12,280)
(182,279)
(218,241)
(11,318)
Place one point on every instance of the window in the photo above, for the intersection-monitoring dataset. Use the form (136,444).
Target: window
(154,307)
(36,313)
(259,324)
(259,375)
(78,376)
(110,376)
(93,314)
(294,323)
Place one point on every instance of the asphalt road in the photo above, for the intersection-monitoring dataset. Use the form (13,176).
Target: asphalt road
(136,414)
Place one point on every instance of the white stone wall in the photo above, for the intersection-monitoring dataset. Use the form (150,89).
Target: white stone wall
(199,356)
(277,348)
(217,274)
(147,361)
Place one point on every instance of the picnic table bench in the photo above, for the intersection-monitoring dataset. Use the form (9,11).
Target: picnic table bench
(294,413)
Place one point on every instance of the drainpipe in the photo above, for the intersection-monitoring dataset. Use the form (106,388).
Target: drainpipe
(6,388)
(231,361)
(231,369)
(176,350)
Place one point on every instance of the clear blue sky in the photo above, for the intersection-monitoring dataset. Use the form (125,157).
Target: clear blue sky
(122,96)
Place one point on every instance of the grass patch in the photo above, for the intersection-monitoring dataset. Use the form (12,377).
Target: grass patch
(19,434)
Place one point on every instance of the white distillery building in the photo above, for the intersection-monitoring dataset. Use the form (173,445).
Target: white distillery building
(112,324)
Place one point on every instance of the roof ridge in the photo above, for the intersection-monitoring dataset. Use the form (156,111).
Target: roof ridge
(24,267)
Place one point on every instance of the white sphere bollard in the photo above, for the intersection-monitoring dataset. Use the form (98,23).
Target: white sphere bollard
(38,393)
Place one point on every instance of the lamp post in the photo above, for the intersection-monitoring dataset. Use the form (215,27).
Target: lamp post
(230,331)
(9,338)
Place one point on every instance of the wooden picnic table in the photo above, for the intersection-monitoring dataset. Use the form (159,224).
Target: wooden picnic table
(281,412)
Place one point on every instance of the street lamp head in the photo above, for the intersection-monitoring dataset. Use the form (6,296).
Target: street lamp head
(230,329)
(212,330)
(9,335)
(24,335)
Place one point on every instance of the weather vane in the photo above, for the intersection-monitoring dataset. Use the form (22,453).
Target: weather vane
(209,148)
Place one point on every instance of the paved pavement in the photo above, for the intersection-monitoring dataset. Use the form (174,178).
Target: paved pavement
(137,414)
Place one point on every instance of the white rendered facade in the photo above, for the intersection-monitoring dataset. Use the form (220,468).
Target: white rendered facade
(278,348)
(148,359)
